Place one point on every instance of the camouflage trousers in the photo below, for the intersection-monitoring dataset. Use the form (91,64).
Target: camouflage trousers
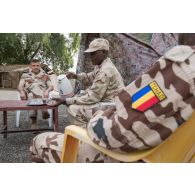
(80,114)
(33,113)
(47,147)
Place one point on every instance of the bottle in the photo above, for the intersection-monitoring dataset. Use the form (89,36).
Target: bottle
(65,87)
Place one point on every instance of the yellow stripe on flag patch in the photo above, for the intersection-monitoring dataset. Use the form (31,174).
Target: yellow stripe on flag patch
(143,99)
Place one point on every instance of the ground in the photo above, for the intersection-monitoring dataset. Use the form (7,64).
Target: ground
(15,149)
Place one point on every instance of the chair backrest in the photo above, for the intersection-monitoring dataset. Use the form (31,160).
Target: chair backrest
(178,147)
(65,87)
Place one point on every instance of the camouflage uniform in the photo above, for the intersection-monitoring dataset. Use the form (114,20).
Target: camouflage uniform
(107,83)
(152,107)
(35,85)
(47,147)
(137,123)
(47,70)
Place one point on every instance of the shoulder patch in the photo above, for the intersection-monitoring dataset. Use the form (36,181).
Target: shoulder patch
(148,96)
(47,70)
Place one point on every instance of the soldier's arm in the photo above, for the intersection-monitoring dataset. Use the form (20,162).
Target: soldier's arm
(50,86)
(23,80)
(54,81)
(86,78)
(95,93)
(21,85)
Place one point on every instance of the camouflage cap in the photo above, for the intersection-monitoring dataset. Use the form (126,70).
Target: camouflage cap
(98,44)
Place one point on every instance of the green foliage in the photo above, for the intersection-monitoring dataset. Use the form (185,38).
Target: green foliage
(54,49)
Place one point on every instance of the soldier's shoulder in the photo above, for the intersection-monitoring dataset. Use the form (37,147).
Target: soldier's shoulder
(109,69)
(179,53)
(26,71)
(24,75)
(47,69)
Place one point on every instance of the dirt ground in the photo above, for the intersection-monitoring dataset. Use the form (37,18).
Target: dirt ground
(15,148)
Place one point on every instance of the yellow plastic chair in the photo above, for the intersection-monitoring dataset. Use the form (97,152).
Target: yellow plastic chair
(178,147)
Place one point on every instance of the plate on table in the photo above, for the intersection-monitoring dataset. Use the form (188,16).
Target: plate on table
(36,102)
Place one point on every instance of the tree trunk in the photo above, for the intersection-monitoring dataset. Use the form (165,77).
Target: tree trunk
(131,55)
(84,63)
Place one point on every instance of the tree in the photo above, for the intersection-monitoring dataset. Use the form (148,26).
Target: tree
(132,53)
(54,49)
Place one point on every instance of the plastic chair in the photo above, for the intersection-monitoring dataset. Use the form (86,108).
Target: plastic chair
(178,147)
(18,113)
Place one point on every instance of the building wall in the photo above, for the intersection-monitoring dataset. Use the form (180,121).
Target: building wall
(11,75)
(9,79)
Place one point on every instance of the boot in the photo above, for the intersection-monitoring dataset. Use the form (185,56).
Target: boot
(45,114)
(33,123)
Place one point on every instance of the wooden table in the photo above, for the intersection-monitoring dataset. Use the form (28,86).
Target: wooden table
(13,105)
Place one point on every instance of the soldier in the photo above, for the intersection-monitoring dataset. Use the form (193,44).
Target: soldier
(35,83)
(106,84)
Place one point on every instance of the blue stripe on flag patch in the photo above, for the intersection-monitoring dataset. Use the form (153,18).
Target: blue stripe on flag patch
(141,93)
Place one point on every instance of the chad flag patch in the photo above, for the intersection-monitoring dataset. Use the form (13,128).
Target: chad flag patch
(147,97)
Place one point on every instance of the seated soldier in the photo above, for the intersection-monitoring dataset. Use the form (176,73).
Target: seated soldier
(147,111)
(35,83)
(106,84)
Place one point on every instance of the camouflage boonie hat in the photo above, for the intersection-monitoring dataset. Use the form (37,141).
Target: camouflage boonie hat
(98,44)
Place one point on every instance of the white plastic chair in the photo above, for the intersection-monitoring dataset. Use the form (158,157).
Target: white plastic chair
(18,113)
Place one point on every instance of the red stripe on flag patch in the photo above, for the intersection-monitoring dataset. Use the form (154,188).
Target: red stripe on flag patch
(148,104)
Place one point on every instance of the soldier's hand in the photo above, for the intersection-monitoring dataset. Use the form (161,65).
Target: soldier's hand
(23,95)
(71,75)
(56,102)
(46,94)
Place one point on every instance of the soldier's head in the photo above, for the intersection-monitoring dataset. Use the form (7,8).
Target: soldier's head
(35,66)
(186,39)
(98,50)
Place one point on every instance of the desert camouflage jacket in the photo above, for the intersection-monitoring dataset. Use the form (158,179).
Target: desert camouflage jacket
(107,83)
(36,83)
(152,107)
